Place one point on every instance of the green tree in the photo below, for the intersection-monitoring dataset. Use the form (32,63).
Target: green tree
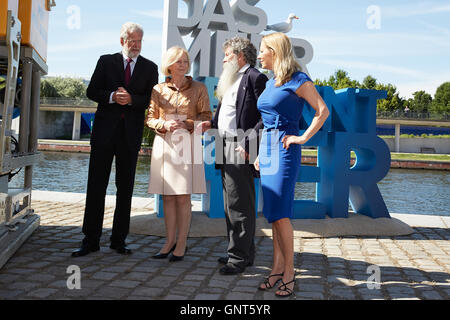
(341,80)
(421,102)
(369,82)
(393,101)
(63,87)
(48,90)
(441,102)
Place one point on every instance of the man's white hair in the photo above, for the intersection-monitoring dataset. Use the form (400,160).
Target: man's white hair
(130,27)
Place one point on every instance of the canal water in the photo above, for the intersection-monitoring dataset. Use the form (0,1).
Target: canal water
(403,190)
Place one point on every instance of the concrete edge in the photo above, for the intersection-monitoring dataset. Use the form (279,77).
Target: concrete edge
(413,220)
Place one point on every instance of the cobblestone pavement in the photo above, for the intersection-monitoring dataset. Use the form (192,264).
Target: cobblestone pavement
(410,267)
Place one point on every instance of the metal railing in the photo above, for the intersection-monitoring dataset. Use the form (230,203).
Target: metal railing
(85,102)
(413,115)
(79,102)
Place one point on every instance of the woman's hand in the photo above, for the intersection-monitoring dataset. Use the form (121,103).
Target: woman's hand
(290,139)
(203,126)
(172,125)
(256,163)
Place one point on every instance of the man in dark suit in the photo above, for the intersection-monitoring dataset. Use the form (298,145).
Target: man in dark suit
(238,90)
(121,85)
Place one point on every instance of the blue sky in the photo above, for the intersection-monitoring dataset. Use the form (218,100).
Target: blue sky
(409,46)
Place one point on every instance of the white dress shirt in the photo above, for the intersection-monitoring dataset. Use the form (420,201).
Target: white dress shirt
(125,62)
(227,123)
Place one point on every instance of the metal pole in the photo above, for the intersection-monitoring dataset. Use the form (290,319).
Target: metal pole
(27,75)
(34,123)
(397,137)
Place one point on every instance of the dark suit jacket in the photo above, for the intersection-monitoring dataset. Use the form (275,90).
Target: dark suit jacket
(252,85)
(108,76)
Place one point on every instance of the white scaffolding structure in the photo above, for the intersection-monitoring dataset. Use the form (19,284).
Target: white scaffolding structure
(17,218)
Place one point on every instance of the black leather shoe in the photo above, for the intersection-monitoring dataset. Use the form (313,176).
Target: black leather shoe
(230,269)
(223,260)
(164,255)
(84,250)
(174,258)
(122,249)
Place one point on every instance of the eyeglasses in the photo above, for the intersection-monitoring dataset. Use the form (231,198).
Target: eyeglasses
(134,41)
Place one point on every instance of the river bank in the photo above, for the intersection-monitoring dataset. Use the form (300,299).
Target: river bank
(398,160)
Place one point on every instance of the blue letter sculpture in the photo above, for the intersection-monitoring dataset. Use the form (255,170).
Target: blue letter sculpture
(351,126)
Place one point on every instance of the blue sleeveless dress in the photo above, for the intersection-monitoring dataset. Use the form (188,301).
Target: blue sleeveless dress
(281,110)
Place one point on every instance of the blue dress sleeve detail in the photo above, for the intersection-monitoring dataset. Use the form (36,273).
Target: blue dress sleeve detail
(298,78)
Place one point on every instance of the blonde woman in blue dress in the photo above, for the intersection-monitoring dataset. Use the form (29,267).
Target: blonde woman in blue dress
(281,106)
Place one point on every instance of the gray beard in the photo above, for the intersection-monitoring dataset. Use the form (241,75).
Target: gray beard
(129,54)
(227,78)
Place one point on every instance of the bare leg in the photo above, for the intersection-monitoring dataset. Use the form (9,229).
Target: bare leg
(184,214)
(170,219)
(278,260)
(286,243)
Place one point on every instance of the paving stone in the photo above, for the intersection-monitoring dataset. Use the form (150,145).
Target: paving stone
(174,297)
(101,275)
(190,283)
(207,296)
(195,277)
(10,294)
(8,278)
(20,285)
(42,293)
(111,292)
(41,277)
(161,281)
(308,287)
(310,295)
(369,294)
(239,296)
(249,282)
(396,292)
(218,283)
(76,293)
(341,292)
(431,295)
(138,276)
(246,289)
(414,266)
(125,283)
(148,292)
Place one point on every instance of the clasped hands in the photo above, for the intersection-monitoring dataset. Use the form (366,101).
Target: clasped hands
(121,96)
(172,125)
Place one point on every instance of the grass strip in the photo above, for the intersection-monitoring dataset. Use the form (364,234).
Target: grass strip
(396,156)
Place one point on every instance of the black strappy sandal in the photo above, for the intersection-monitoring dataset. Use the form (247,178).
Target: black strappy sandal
(285,289)
(267,281)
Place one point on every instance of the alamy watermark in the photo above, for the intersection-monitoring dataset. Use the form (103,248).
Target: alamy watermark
(73,21)
(221,148)
(374,20)
(374,281)
(74,280)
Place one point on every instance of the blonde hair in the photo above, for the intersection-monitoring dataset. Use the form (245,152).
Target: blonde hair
(171,56)
(284,61)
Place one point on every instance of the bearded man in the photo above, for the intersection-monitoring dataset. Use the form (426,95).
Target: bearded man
(121,85)
(239,87)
